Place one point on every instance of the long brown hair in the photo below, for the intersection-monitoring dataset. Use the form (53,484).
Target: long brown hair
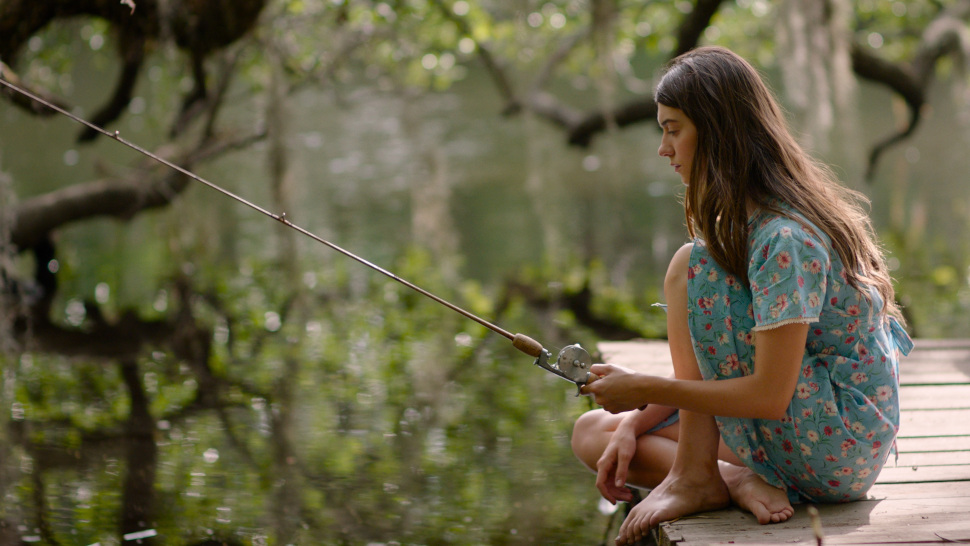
(746,153)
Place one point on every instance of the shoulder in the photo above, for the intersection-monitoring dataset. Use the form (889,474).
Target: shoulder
(787,241)
(771,228)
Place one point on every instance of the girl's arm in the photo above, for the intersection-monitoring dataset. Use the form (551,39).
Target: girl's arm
(614,464)
(766,394)
(641,421)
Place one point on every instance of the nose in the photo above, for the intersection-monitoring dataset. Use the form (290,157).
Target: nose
(665,149)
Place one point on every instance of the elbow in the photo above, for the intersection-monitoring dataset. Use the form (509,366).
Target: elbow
(776,415)
(774,410)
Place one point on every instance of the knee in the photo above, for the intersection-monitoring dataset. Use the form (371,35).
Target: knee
(581,430)
(586,432)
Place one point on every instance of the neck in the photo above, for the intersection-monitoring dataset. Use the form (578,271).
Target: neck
(752,207)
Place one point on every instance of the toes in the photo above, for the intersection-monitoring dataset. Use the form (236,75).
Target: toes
(782,515)
(761,513)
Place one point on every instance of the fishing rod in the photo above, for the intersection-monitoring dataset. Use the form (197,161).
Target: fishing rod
(572,363)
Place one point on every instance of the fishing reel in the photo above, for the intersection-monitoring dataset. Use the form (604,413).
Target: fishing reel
(572,364)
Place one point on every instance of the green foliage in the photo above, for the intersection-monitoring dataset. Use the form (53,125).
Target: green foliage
(933,285)
(398,421)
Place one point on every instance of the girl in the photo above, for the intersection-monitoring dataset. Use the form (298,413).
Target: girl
(782,305)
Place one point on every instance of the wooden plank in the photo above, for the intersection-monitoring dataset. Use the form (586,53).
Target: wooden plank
(947,364)
(916,423)
(958,355)
(913,397)
(742,528)
(931,444)
(923,474)
(935,458)
(933,344)
(896,520)
(934,374)
(882,491)
(646,356)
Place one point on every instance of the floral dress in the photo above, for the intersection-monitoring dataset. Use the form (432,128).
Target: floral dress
(844,415)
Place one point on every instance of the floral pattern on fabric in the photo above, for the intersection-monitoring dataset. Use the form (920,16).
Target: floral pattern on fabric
(844,414)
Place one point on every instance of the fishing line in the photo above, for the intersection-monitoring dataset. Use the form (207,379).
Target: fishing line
(521,342)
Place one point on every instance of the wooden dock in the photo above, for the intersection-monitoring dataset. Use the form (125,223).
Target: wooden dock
(923,498)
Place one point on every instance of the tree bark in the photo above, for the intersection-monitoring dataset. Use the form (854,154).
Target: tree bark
(197,26)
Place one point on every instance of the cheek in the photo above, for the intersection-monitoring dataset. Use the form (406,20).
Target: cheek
(686,151)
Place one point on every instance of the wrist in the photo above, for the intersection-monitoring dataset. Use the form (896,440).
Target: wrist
(629,422)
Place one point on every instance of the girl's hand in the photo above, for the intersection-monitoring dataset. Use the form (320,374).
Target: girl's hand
(615,388)
(613,465)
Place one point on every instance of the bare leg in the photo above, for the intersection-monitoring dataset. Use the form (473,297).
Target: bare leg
(694,483)
(748,490)
(655,456)
(655,452)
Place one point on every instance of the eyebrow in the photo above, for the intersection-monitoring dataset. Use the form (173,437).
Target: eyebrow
(666,121)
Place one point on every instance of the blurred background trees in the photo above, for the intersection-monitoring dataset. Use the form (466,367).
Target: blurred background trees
(177,369)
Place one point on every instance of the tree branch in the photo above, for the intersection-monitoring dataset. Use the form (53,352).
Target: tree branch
(945,35)
(694,24)
(199,28)
(644,109)
(493,67)
(23,101)
(121,198)
(124,338)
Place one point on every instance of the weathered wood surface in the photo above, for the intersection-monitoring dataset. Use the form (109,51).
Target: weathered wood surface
(921,497)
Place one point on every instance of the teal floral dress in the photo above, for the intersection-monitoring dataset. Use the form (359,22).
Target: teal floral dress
(844,415)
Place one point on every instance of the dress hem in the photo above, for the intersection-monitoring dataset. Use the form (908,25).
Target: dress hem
(786,322)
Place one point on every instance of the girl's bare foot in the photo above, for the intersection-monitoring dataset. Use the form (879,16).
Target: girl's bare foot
(749,491)
(675,497)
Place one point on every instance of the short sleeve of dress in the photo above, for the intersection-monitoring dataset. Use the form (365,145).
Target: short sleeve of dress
(788,274)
